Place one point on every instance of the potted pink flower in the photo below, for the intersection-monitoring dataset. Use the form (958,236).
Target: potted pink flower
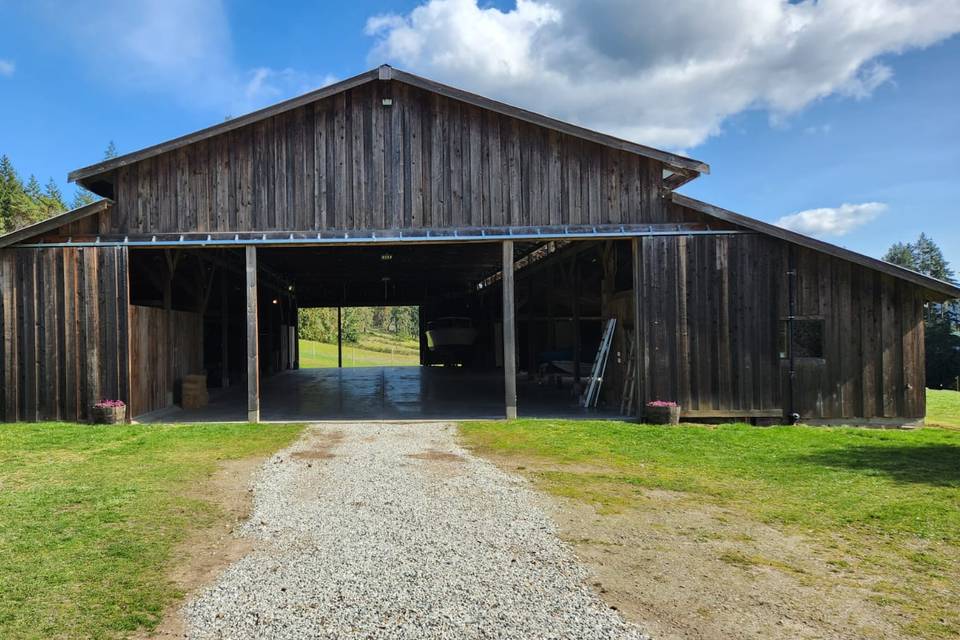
(108,412)
(662,412)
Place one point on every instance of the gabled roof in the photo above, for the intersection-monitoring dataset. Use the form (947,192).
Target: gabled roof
(939,287)
(55,222)
(683,168)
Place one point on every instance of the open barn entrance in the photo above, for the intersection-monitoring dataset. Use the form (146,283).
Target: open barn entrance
(193,310)
(356,337)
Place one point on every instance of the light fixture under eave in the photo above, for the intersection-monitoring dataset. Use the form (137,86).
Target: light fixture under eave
(275,301)
(386,257)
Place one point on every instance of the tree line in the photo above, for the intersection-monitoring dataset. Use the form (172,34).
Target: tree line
(320,324)
(25,202)
(941,320)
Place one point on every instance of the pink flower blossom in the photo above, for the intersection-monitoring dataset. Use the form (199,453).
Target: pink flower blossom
(109,404)
(662,403)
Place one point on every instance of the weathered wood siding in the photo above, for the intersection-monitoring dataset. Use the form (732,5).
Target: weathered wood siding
(63,318)
(349,162)
(873,334)
(709,323)
(150,348)
(712,312)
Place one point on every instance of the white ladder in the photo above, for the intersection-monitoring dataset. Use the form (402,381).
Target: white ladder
(592,393)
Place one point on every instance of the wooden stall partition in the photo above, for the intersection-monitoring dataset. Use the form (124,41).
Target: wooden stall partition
(153,348)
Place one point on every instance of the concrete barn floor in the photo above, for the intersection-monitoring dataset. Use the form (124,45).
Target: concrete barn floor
(381,393)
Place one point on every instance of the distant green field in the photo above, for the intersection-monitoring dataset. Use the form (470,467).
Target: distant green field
(374,350)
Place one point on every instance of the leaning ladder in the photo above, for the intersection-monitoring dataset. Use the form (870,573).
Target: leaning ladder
(592,393)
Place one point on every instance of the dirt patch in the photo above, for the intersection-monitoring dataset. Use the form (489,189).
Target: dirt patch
(321,446)
(684,569)
(203,554)
(436,456)
(312,455)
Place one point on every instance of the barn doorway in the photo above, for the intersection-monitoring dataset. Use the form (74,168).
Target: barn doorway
(448,364)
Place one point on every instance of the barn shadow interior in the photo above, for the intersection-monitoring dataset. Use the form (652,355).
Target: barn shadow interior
(563,292)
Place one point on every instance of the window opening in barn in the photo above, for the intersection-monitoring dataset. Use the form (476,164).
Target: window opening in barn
(807,338)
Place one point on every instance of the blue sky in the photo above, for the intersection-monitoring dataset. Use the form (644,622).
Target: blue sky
(847,108)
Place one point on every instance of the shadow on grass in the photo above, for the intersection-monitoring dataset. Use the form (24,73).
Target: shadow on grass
(933,464)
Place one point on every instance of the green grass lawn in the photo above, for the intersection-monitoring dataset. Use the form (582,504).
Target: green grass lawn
(887,500)
(373,350)
(943,408)
(89,515)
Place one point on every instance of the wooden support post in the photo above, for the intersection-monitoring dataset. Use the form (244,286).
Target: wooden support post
(509,333)
(576,319)
(422,336)
(253,338)
(339,340)
(224,332)
(531,329)
(172,259)
(640,371)
(296,335)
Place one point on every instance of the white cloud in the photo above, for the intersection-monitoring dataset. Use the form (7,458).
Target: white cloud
(832,221)
(662,73)
(179,48)
(7,67)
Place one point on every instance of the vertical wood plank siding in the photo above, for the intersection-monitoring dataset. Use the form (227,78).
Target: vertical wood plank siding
(349,162)
(65,331)
(150,345)
(708,322)
(873,338)
(711,310)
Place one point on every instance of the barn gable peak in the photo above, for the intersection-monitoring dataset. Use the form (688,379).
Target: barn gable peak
(678,169)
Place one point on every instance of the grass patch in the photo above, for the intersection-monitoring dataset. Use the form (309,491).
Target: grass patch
(373,350)
(89,515)
(943,408)
(887,501)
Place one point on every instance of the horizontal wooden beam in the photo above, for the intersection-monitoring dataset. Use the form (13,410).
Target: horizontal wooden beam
(392,236)
(732,413)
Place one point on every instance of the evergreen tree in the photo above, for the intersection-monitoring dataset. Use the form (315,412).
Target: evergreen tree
(82,197)
(923,256)
(901,254)
(111,151)
(33,188)
(54,196)
(941,336)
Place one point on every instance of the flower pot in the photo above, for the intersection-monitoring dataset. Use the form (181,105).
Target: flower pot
(108,415)
(662,415)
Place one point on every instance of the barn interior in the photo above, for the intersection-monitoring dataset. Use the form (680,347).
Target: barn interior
(189,315)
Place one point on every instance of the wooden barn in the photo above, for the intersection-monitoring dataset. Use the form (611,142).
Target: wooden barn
(391,189)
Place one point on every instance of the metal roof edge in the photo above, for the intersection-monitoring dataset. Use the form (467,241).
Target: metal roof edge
(946,289)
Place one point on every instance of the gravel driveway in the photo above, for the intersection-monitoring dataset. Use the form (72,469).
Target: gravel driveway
(393,531)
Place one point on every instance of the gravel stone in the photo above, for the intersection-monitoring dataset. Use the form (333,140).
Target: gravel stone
(357,538)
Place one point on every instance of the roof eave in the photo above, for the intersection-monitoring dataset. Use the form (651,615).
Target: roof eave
(78,175)
(934,289)
(50,224)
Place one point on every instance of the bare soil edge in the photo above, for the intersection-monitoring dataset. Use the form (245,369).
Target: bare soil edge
(200,557)
(685,570)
